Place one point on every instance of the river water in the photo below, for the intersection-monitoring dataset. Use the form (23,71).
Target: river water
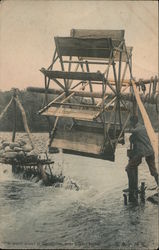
(33,216)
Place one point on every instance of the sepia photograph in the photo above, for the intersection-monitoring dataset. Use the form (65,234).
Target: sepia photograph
(79,124)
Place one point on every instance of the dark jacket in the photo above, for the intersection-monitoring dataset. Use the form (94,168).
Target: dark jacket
(141,142)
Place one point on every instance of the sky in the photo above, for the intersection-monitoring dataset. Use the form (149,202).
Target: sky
(28,27)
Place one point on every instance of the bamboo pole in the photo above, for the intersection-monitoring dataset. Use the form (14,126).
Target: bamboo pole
(24,120)
(149,128)
(6,108)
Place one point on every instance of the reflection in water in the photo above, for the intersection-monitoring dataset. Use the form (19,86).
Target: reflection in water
(33,216)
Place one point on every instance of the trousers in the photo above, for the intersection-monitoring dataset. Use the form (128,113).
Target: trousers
(135,161)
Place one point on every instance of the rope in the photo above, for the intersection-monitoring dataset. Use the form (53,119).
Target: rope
(6,108)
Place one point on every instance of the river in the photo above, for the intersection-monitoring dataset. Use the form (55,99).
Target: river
(36,217)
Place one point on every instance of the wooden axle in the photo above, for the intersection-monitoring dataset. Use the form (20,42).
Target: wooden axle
(153,99)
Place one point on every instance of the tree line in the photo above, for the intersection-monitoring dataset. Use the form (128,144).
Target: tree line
(32,102)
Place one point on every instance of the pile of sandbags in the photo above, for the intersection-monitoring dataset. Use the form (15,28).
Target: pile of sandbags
(16,150)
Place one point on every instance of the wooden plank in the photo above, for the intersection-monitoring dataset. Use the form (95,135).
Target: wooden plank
(83,43)
(116,56)
(92,47)
(107,155)
(87,144)
(90,62)
(78,140)
(73,75)
(76,105)
(71,113)
(149,128)
(72,145)
(100,33)
(80,136)
(116,35)
(74,109)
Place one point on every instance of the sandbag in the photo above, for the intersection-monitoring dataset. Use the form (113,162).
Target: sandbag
(32,153)
(14,144)
(27,148)
(22,142)
(20,153)
(10,155)
(5,143)
(17,149)
(8,149)
(1,152)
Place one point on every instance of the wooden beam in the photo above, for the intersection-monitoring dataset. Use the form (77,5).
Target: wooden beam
(149,128)
(6,108)
(90,85)
(105,107)
(126,96)
(73,75)
(24,120)
(59,84)
(76,105)
(50,103)
(116,56)
(89,62)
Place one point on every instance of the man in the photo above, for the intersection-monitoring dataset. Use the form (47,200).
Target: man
(141,148)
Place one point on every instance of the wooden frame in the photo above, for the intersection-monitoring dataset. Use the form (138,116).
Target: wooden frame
(105,50)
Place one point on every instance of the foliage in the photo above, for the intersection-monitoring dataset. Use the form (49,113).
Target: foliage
(32,102)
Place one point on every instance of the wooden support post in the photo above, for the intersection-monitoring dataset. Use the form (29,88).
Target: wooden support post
(46,101)
(135,113)
(71,81)
(24,120)
(133,173)
(119,89)
(14,120)
(14,116)
(90,84)
(6,108)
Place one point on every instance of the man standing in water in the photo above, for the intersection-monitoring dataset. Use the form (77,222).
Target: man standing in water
(141,147)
